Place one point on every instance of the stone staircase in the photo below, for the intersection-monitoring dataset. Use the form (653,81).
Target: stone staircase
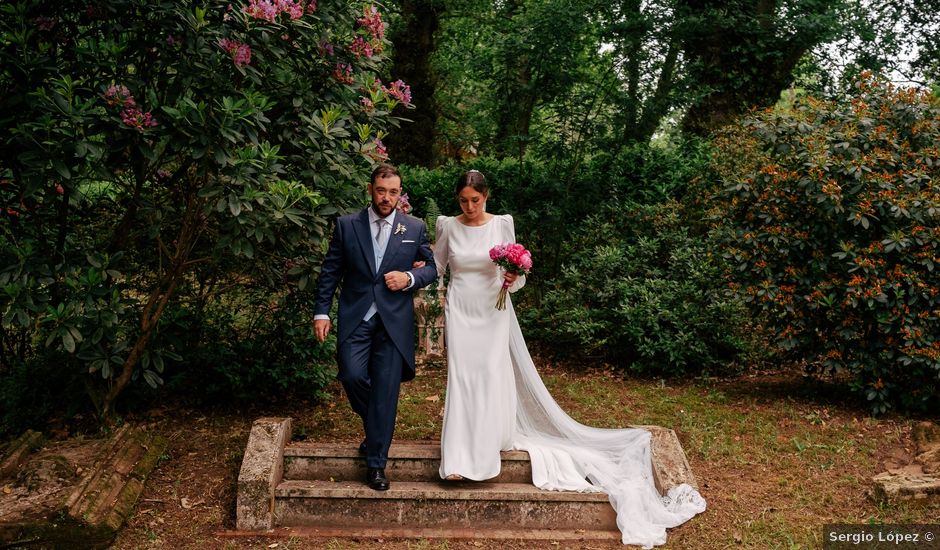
(316,489)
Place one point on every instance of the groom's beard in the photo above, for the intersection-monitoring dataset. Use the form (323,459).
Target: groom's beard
(383,208)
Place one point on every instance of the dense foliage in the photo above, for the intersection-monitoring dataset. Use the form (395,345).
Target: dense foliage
(571,78)
(639,286)
(836,220)
(549,199)
(176,156)
(643,291)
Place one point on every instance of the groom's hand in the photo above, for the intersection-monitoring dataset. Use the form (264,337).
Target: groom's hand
(397,280)
(321,327)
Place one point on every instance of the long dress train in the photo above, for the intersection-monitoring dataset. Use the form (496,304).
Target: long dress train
(496,400)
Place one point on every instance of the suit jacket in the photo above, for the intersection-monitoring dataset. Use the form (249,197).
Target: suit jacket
(350,261)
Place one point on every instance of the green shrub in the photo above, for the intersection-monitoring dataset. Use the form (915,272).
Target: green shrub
(250,346)
(642,290)
(34,391)
(145,145)
(549,201)
(835,237)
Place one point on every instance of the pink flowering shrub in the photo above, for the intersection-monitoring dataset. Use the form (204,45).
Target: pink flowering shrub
(371,21)
(361,48)
(380,151)
(399,91)
(198,143)
(134,118)
(118,96)
(269,10)
(404,204)
(343,73)
(240,52)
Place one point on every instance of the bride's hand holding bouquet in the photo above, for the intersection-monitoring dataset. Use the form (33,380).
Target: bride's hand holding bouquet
(515,260)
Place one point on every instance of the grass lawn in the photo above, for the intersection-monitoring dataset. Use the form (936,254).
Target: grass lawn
(776,458)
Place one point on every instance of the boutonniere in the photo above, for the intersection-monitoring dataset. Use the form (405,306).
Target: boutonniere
(400,229)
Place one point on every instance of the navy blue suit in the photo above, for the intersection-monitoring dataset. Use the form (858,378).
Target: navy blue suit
(374,356)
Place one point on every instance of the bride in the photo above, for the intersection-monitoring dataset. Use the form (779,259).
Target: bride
(496,400)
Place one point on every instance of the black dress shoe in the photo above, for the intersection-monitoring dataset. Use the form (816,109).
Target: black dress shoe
(362,448)
(375,478)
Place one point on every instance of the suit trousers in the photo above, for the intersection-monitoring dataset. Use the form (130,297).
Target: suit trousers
(370,368)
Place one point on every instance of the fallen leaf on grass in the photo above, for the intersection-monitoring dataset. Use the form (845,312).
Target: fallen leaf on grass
(433,398)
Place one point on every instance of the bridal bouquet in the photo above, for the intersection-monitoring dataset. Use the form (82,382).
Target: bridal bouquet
(514,258)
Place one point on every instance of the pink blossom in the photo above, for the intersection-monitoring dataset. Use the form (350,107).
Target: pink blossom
(371,20)
(512,256)
(367,104)
(312,6)
(326,49)
(514,253)
(117,95)
(360,47)
(268,10)
(135,118)
(404,205)
(240,52)
(261,9)
(342,72)
(59,189)
(400,91)
(380,149)
(525,262)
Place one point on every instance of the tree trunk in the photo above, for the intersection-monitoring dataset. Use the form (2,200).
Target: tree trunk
(156,304)
(515,116)
(659,104)
(415,43)
(631,68)
(743,55)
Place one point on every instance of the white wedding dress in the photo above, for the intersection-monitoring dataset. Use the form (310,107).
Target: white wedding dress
(496,400)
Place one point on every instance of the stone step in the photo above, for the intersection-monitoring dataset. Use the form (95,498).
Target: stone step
(407,461)
(318,487)
(444,505)
(424,532)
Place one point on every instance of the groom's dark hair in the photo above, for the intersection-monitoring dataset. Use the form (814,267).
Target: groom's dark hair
(384,170)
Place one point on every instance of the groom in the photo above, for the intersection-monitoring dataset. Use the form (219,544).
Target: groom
(371,254)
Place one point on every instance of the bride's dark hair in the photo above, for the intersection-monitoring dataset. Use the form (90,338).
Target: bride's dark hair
(474,179)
